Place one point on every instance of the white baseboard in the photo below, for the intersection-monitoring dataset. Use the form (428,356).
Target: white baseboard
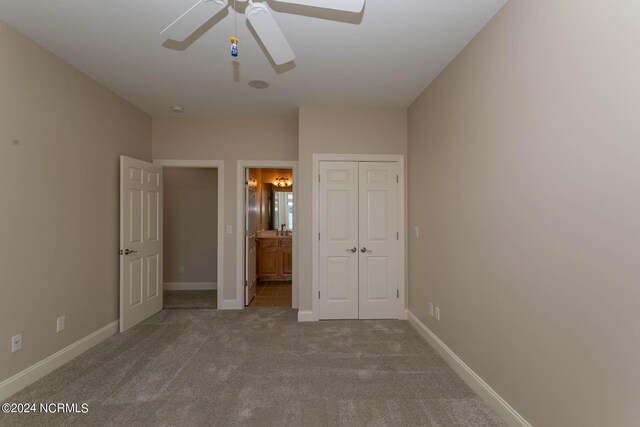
(190,286)
(306,316)
(230,304)
(33,373)
(489,395)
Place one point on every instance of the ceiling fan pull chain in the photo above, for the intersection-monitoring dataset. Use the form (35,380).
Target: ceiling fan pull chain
(234,40)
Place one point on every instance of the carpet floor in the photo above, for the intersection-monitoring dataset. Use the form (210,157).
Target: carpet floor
(189,299)
(258,367)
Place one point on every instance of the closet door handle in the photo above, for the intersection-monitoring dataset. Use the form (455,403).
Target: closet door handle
(353,250)
(365,250)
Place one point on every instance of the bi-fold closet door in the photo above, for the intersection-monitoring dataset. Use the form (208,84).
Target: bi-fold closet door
(359,240)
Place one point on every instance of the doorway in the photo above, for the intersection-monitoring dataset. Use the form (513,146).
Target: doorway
(267,220)
(192,231)
(190,238)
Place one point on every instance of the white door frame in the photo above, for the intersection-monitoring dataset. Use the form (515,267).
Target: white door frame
(209,164)
(240,226)
(315,220)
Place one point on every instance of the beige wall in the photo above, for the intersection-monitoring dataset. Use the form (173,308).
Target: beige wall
(229,140)
(339,130)
(190,224)
(524,160)
(59,199)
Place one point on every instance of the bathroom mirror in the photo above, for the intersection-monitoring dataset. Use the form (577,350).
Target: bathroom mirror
(279,207)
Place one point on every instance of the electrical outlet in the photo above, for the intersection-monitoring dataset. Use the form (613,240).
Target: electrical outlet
(16,343)
(416,231)
(431,309)
(181,269)
(229,229)
(59,324)
(437,313)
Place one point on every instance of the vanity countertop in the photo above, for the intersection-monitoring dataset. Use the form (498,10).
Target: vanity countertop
(270,234)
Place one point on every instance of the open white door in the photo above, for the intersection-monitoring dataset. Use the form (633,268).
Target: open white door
(140,241)
(251,227)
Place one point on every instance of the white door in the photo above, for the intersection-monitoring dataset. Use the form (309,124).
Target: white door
(378,236)
(140,241)
(359,246)
(251,227)
(338,240)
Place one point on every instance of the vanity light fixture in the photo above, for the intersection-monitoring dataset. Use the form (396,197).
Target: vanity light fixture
(282,182)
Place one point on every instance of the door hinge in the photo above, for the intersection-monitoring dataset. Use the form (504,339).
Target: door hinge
(246,283)
(318,294)
(121,252)
(318,177)
(397,235)
(398,179)
(318,237)
(398,292)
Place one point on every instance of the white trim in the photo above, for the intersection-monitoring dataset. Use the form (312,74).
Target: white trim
(190,286)
(227,304)
(212,164)
(315,222)
(33,373)
(306,316)
(240,218)
(484,390)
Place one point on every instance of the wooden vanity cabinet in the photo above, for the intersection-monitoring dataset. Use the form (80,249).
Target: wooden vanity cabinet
(274,259)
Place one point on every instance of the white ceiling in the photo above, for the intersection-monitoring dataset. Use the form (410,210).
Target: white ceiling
(383,57)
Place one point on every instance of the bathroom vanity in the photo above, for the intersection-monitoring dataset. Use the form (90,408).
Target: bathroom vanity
(274,256)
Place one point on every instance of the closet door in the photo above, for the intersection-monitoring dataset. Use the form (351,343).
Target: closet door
(378,238)
(338,240)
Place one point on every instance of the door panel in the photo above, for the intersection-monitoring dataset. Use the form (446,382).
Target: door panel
(269,261)
(251,224)
(287,258)
(378,265)
(140,241)
(339,234)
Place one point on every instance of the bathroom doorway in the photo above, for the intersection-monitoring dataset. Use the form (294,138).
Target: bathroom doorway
(268,221)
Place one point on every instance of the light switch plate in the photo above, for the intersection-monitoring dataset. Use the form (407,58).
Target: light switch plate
(431,309)
(16,343)
(59,324)
(229,229)
(437,312)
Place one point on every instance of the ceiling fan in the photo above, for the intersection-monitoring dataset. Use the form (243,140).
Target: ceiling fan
(259,17)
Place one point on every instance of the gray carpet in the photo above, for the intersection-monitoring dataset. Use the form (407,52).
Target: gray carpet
(189,299)
(258,367)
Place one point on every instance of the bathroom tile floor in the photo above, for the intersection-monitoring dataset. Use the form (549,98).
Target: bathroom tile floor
(272,294)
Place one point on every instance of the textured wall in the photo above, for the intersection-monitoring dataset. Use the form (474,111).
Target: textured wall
(59,199)
(524,161)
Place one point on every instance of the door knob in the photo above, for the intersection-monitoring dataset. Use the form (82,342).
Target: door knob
(364,250)
(128,252)
(353,250)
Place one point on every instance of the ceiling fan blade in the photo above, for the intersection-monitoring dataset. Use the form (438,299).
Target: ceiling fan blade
(193,19)
(270,33)
(344,5)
